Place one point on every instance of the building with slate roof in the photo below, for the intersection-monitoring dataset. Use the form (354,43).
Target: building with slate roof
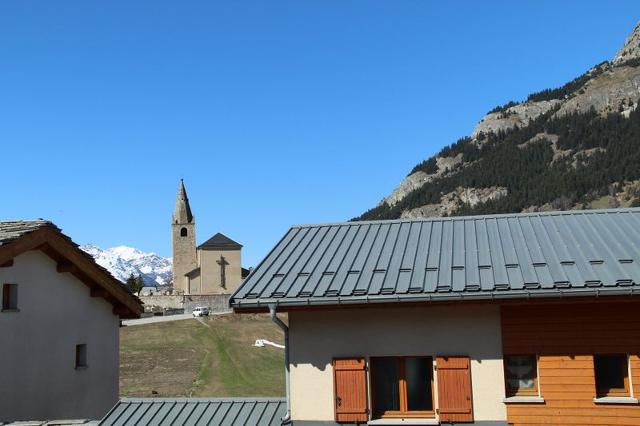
(489,320)
(196,411)
(59,322)
(213,267)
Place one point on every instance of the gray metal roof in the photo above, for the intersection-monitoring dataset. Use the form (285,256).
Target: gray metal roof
(220,242)
(196,411)
(584,252)
(14,229)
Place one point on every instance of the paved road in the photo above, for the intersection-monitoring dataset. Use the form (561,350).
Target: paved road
(151,320)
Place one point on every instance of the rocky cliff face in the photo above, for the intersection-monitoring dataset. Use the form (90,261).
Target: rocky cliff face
(607,89)
(631,48)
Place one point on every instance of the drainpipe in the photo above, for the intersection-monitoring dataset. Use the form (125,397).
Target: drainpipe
(274,317)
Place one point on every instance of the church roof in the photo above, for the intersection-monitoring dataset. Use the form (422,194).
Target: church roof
(182,212)
(220,242)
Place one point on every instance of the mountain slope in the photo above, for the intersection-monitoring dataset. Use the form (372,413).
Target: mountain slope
(576,146)
(122,261)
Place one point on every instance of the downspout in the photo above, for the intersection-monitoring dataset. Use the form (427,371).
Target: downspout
(274,317)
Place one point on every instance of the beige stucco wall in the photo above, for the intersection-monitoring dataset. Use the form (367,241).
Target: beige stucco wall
(210,271)
(38,379)
(316,337)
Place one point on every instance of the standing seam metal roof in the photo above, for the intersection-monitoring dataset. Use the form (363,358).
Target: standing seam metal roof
(196,411)
(515,255)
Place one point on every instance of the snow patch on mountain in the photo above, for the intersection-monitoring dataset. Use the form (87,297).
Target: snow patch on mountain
(122,261)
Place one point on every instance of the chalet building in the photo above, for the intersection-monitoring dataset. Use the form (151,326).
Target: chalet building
(491,320)
(59,324)
(213,267)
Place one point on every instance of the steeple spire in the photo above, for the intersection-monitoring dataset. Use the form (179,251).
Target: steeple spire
(182,212)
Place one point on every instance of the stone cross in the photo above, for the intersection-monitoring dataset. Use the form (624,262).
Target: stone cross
(223,277)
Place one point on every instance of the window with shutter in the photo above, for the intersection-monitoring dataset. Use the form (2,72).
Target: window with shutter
(350,390)
(455,402)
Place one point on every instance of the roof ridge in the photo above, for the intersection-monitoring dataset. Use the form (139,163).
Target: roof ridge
(474,217)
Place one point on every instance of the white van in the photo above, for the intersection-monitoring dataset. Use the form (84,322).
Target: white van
(201,311)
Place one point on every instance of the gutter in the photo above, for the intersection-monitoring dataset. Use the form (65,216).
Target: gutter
(493,296)
(274,317)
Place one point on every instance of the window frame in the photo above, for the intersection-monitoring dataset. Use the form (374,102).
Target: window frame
(511,392)
(10,291)
(616,392)
(402,391)
(81,361)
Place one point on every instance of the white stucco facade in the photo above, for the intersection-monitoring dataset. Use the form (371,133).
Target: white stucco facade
(318,336)
(38,378)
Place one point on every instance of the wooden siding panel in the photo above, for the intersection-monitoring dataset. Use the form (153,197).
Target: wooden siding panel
(350,387)
(565,337)
(454,389)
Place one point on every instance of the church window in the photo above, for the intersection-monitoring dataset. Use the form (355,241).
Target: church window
(183,232)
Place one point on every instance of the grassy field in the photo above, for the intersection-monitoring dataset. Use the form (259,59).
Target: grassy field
(214,357)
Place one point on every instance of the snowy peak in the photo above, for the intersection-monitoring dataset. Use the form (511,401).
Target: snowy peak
(122,261)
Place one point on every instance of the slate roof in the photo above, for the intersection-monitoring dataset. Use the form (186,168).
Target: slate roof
(12,230)
(220,242)
(585,252)
(196,411)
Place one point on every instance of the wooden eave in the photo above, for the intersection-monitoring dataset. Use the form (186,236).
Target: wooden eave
(70,259)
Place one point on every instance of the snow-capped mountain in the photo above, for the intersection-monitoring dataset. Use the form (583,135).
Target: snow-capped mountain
(122,261)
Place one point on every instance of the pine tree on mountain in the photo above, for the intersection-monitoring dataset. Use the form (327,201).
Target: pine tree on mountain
(135,284)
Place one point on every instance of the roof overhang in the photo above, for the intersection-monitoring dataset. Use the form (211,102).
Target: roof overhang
(525,296)
(71,259)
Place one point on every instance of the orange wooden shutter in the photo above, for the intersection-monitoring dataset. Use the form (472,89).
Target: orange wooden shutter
(350,390)
(454,389)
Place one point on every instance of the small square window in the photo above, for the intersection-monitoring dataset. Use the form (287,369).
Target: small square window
(9,297)
(81,356)
(521,375)
(612,374)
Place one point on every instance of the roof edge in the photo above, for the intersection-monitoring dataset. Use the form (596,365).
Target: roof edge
(50,240)
(437,297)
(213,399)
(474,217)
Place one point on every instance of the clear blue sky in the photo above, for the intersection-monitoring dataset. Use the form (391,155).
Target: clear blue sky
(274,113)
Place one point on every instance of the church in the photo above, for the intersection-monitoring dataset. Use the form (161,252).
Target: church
(213,267)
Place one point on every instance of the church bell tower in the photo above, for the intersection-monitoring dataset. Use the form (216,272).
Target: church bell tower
(183,228)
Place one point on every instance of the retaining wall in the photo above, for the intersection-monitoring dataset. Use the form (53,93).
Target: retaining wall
(215,302)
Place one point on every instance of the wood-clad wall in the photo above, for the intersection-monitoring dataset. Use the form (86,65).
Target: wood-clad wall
(565,337)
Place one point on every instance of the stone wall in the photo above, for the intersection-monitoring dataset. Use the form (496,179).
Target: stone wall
(215,302)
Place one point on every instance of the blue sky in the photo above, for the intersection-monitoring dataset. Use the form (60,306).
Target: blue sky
(274,113)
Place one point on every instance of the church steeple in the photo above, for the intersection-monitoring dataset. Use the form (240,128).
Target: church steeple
(183,231)
(182,212)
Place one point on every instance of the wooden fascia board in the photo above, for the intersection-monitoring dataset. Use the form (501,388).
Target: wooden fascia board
(27,242)
(86,267)
(71,259)
(499,302)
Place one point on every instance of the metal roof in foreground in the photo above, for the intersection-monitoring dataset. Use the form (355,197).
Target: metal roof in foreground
(196,411)
(585,252)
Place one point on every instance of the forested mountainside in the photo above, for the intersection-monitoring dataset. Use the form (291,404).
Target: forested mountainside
(577,146)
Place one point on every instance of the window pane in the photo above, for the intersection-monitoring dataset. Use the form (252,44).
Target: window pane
(81,355)
(610,371)
(386,377)
(521,372)
(10,296)
(418,377)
